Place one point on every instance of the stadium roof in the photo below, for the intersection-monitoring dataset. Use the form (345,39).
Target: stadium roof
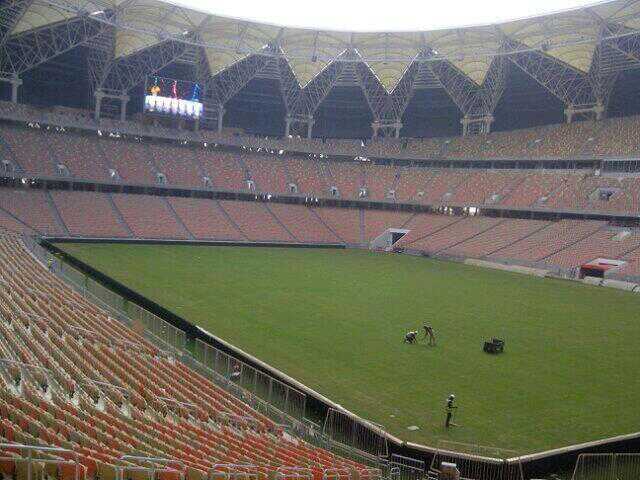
(570,37)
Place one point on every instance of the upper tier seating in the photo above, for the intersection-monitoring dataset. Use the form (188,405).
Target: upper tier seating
(131,160)
(268,173)
(28,149)
(223,169)
(51,153)
(75,378)
(307,177)
(176,164)
(81,155)
(612,137)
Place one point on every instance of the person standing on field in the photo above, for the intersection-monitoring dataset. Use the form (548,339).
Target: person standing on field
(428,332)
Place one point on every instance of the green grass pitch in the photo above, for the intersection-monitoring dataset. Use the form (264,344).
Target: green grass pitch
(335,319)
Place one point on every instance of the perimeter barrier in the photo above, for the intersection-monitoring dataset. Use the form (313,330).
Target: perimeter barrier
(607,466)
(476,462)
(283,397)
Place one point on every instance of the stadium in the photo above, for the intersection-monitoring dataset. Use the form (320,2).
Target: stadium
(236,250)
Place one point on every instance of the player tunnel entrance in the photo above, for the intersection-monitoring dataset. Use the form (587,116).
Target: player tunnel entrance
(386,240)
(599,267)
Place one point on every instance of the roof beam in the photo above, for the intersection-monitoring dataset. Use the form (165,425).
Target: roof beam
(403,93)
(228,83)
(377,97)
(10,14)
(318,89)
(124,73)
(289,86)
(468,97)
(25,51)
(564,82)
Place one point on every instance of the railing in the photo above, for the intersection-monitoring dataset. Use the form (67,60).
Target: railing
(477,462)
(348,429)
(152,469)
(283,473)
(406,468)
(607,466)
(231,471)
(29,459)
(283,397)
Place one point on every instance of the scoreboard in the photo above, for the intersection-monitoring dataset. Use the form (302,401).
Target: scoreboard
(173,97)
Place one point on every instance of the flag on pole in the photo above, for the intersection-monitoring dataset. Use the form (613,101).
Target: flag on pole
(196,93)
(174,89)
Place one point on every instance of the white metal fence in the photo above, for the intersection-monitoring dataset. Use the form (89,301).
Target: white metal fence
(476,462)
(405,468)
(351,430)
(282,396)
(607,466)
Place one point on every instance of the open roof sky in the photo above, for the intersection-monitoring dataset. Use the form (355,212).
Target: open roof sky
(378,15)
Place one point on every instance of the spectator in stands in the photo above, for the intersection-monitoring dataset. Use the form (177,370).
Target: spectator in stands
(235,373)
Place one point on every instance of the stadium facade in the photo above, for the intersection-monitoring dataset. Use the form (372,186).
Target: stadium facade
(277,80)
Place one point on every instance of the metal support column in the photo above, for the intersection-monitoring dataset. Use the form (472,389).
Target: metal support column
(16,82)
(124,99)
(99,95)
(287,126)
(310,127)
(220,118)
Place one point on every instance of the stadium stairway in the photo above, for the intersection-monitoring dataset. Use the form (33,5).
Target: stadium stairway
(55,212)
(314,212)
(579,238)
(512,234)
(6,147)
(230,220)
(424,226)
(96,218)
(280,222)
(118,215)
(487,227)
(177,218)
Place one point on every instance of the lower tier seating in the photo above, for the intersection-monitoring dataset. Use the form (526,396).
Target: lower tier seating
(564,244)
(76,380)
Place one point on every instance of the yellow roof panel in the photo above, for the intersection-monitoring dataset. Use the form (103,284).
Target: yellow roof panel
(42,13)
(309,52)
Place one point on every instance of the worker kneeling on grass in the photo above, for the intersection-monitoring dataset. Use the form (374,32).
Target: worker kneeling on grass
(411,337)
